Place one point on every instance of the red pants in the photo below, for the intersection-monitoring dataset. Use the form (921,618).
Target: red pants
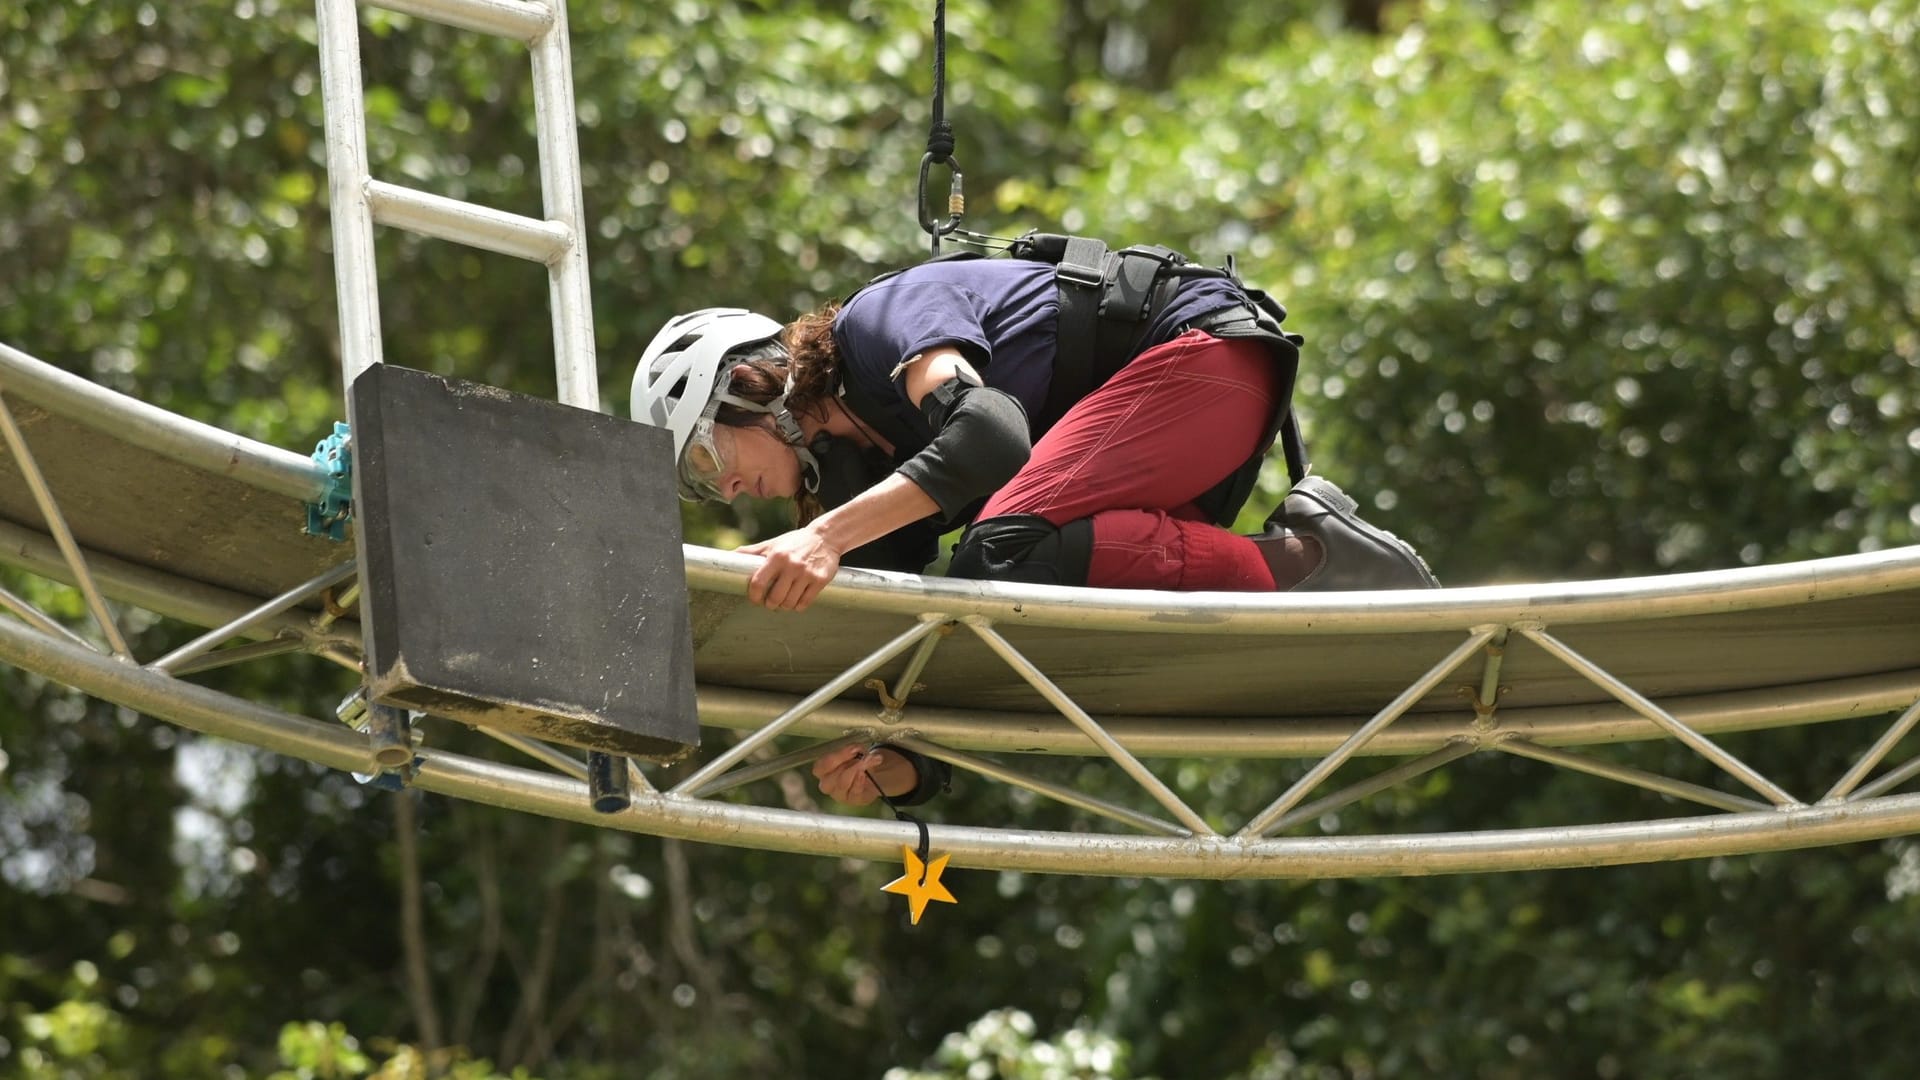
(1135,454)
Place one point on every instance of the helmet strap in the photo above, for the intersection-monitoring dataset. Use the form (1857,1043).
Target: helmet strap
(789,428)
(785,425)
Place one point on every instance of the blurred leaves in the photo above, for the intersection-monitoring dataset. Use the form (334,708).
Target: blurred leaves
(1003,1044)
(1588,292)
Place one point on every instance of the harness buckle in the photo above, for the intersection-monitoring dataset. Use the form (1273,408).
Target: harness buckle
(1083,262)
(1128,294)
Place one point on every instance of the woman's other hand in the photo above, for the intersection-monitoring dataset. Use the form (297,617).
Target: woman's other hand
(856,775)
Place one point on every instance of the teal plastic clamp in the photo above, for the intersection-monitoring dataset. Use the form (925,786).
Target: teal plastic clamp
(328,516)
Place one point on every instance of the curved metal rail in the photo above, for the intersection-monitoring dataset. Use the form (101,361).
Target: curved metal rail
(961,669)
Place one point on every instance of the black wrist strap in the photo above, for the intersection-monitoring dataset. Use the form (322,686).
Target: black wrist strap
(931,778)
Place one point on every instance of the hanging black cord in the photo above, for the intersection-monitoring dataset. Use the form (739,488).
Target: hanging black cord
(940,137)
(940,141)
(926,838)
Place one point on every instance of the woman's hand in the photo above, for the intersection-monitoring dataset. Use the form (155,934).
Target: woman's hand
(856,775)
(799,564)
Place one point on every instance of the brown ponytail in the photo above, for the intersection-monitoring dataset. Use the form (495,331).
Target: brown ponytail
(815,360)
(806,353)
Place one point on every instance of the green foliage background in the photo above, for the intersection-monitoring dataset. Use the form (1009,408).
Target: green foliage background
(1590,290)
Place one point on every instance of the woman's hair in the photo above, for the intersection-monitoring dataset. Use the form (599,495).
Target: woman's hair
(806,353)
(815,362)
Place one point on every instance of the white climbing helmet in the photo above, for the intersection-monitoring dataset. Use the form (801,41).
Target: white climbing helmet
(683,379)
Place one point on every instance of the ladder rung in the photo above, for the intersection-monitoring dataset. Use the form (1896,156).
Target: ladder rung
(520,20)
(467,223)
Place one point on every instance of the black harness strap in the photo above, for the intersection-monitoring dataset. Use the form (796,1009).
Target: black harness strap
(1082,259)
(1128,296)
(1108,301)
(1079,274)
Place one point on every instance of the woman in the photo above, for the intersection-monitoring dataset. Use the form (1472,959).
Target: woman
(944,396)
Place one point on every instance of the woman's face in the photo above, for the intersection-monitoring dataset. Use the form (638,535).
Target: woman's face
(755,461)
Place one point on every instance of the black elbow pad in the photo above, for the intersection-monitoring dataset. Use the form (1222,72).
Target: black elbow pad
(980,440)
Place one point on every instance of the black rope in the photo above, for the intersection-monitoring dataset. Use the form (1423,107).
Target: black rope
(926,838)
(940,138)
(940,142)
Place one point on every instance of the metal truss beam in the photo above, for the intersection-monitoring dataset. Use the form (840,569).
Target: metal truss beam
(562,797)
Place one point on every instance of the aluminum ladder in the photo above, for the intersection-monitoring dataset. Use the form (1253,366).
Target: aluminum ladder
(359,200)
(559,242)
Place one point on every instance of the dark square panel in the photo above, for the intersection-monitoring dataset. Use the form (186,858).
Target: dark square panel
(521,565)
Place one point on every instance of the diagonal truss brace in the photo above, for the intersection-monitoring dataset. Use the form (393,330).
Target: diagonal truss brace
(57,525)
(893,703)
(38,619)
(1842,790)
(1373,785)
(1639,703)
(1060,793)
(1269,819)
(927,625)
(1071,709)
(760,770)
(327,579)
(1888,782)
(1626,774)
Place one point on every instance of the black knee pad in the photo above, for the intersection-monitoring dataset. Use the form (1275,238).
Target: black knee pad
(1025,548)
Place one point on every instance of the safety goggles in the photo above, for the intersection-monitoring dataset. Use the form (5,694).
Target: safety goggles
(709,456)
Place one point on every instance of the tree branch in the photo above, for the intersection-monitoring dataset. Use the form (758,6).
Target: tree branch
(472,989)
(528,1026)
(413,936)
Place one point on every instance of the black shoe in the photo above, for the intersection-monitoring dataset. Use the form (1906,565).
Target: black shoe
(1354,554)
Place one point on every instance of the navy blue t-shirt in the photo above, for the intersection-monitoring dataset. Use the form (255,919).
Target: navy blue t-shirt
(1000,314)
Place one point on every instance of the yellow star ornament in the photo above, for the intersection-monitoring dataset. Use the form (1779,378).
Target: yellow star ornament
(921,883)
